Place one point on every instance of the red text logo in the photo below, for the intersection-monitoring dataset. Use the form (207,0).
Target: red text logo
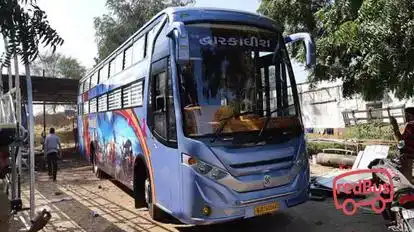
(382,193)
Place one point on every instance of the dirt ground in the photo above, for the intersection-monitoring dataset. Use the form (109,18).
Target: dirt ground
(81,202)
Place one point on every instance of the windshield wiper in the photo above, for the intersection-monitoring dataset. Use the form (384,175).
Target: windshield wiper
(270,116)
(220,129)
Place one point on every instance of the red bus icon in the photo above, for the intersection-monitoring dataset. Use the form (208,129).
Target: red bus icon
(363,187)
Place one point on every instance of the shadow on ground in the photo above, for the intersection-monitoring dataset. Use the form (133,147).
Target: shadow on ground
(81,202)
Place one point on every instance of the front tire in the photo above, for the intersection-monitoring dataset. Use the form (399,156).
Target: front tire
(155,212)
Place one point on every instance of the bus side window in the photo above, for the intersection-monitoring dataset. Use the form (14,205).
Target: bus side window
(162,118)
(160,122)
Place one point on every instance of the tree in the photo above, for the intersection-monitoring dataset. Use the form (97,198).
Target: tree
(58,66)
(26,26)
(366,43)
(71,68)
(47,63)
(124,19)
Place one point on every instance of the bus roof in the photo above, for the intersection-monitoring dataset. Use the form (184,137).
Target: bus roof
(192,14)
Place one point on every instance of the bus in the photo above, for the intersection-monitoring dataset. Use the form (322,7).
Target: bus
(198,114)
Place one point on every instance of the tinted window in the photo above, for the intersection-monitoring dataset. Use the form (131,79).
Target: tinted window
(128,57)
(112,68)
(119,63)
(86,85)
(114,100)
(132,95)
(103,73)
(161,43)
(139,49)
(94,79)
(159,109)
(92,105)
(103,103)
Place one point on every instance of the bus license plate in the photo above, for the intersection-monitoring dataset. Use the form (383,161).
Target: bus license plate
(266,209)
(408,214)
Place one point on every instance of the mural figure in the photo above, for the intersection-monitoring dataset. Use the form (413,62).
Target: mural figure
(127,158)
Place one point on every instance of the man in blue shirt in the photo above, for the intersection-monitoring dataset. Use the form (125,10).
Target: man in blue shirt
(52,148)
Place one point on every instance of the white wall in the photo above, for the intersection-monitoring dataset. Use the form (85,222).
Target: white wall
(322,107)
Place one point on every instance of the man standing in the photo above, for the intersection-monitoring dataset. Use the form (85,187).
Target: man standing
(407,153)
(52,148)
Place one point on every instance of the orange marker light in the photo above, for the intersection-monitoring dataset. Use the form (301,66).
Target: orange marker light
(206,210)
(192,161)
(188,159)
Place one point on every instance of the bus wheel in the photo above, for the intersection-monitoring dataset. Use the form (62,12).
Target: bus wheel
(155,213)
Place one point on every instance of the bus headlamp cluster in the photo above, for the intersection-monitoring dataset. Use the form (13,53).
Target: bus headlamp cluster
(203,168)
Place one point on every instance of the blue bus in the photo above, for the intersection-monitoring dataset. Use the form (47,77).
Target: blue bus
(198,114)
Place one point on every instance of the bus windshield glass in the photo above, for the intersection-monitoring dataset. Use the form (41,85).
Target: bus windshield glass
(237,81)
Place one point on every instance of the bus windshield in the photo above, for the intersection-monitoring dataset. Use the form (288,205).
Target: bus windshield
(237,80)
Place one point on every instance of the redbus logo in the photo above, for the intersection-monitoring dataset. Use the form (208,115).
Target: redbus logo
(363,187)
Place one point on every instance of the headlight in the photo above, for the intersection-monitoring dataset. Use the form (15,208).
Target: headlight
(203,168)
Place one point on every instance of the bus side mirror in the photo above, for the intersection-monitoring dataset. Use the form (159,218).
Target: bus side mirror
(178,33)
(310,47)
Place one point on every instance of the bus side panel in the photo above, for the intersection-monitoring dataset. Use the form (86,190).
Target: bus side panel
(82,127)
(120,140)
(105,143)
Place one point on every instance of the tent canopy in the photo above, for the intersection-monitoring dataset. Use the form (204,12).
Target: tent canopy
(48,90)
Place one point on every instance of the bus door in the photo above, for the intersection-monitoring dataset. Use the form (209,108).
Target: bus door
(163,144)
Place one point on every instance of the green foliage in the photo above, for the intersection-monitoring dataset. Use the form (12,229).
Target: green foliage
(124,19)
(374,130)
(71,68)
(366,43)
(26,26)
(58,66)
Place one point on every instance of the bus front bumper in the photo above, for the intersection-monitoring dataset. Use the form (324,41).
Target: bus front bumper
(226,205)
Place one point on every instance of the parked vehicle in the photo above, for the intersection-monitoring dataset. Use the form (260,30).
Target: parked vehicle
(198,113)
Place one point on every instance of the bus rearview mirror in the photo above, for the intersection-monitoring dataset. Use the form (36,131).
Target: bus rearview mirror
(309,45)
(179,34)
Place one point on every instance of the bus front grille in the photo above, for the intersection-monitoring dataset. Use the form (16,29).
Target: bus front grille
(287,159)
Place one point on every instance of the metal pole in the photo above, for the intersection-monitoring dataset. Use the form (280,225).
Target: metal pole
(18,93)
(44,117)
(1,80)
(19,121)
(31,139)
(13,160)
(44,110)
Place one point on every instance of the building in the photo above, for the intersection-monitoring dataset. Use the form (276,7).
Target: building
(323,106)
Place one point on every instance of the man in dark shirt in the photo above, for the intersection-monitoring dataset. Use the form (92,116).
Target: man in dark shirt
(407,153)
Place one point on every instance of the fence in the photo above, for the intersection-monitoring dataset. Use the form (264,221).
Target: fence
(353,117)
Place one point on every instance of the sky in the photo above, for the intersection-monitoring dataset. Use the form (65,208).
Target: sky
(73,20)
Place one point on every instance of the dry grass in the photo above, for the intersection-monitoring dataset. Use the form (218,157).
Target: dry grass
(65,133)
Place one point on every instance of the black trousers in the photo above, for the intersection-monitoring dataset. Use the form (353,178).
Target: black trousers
(52,164)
